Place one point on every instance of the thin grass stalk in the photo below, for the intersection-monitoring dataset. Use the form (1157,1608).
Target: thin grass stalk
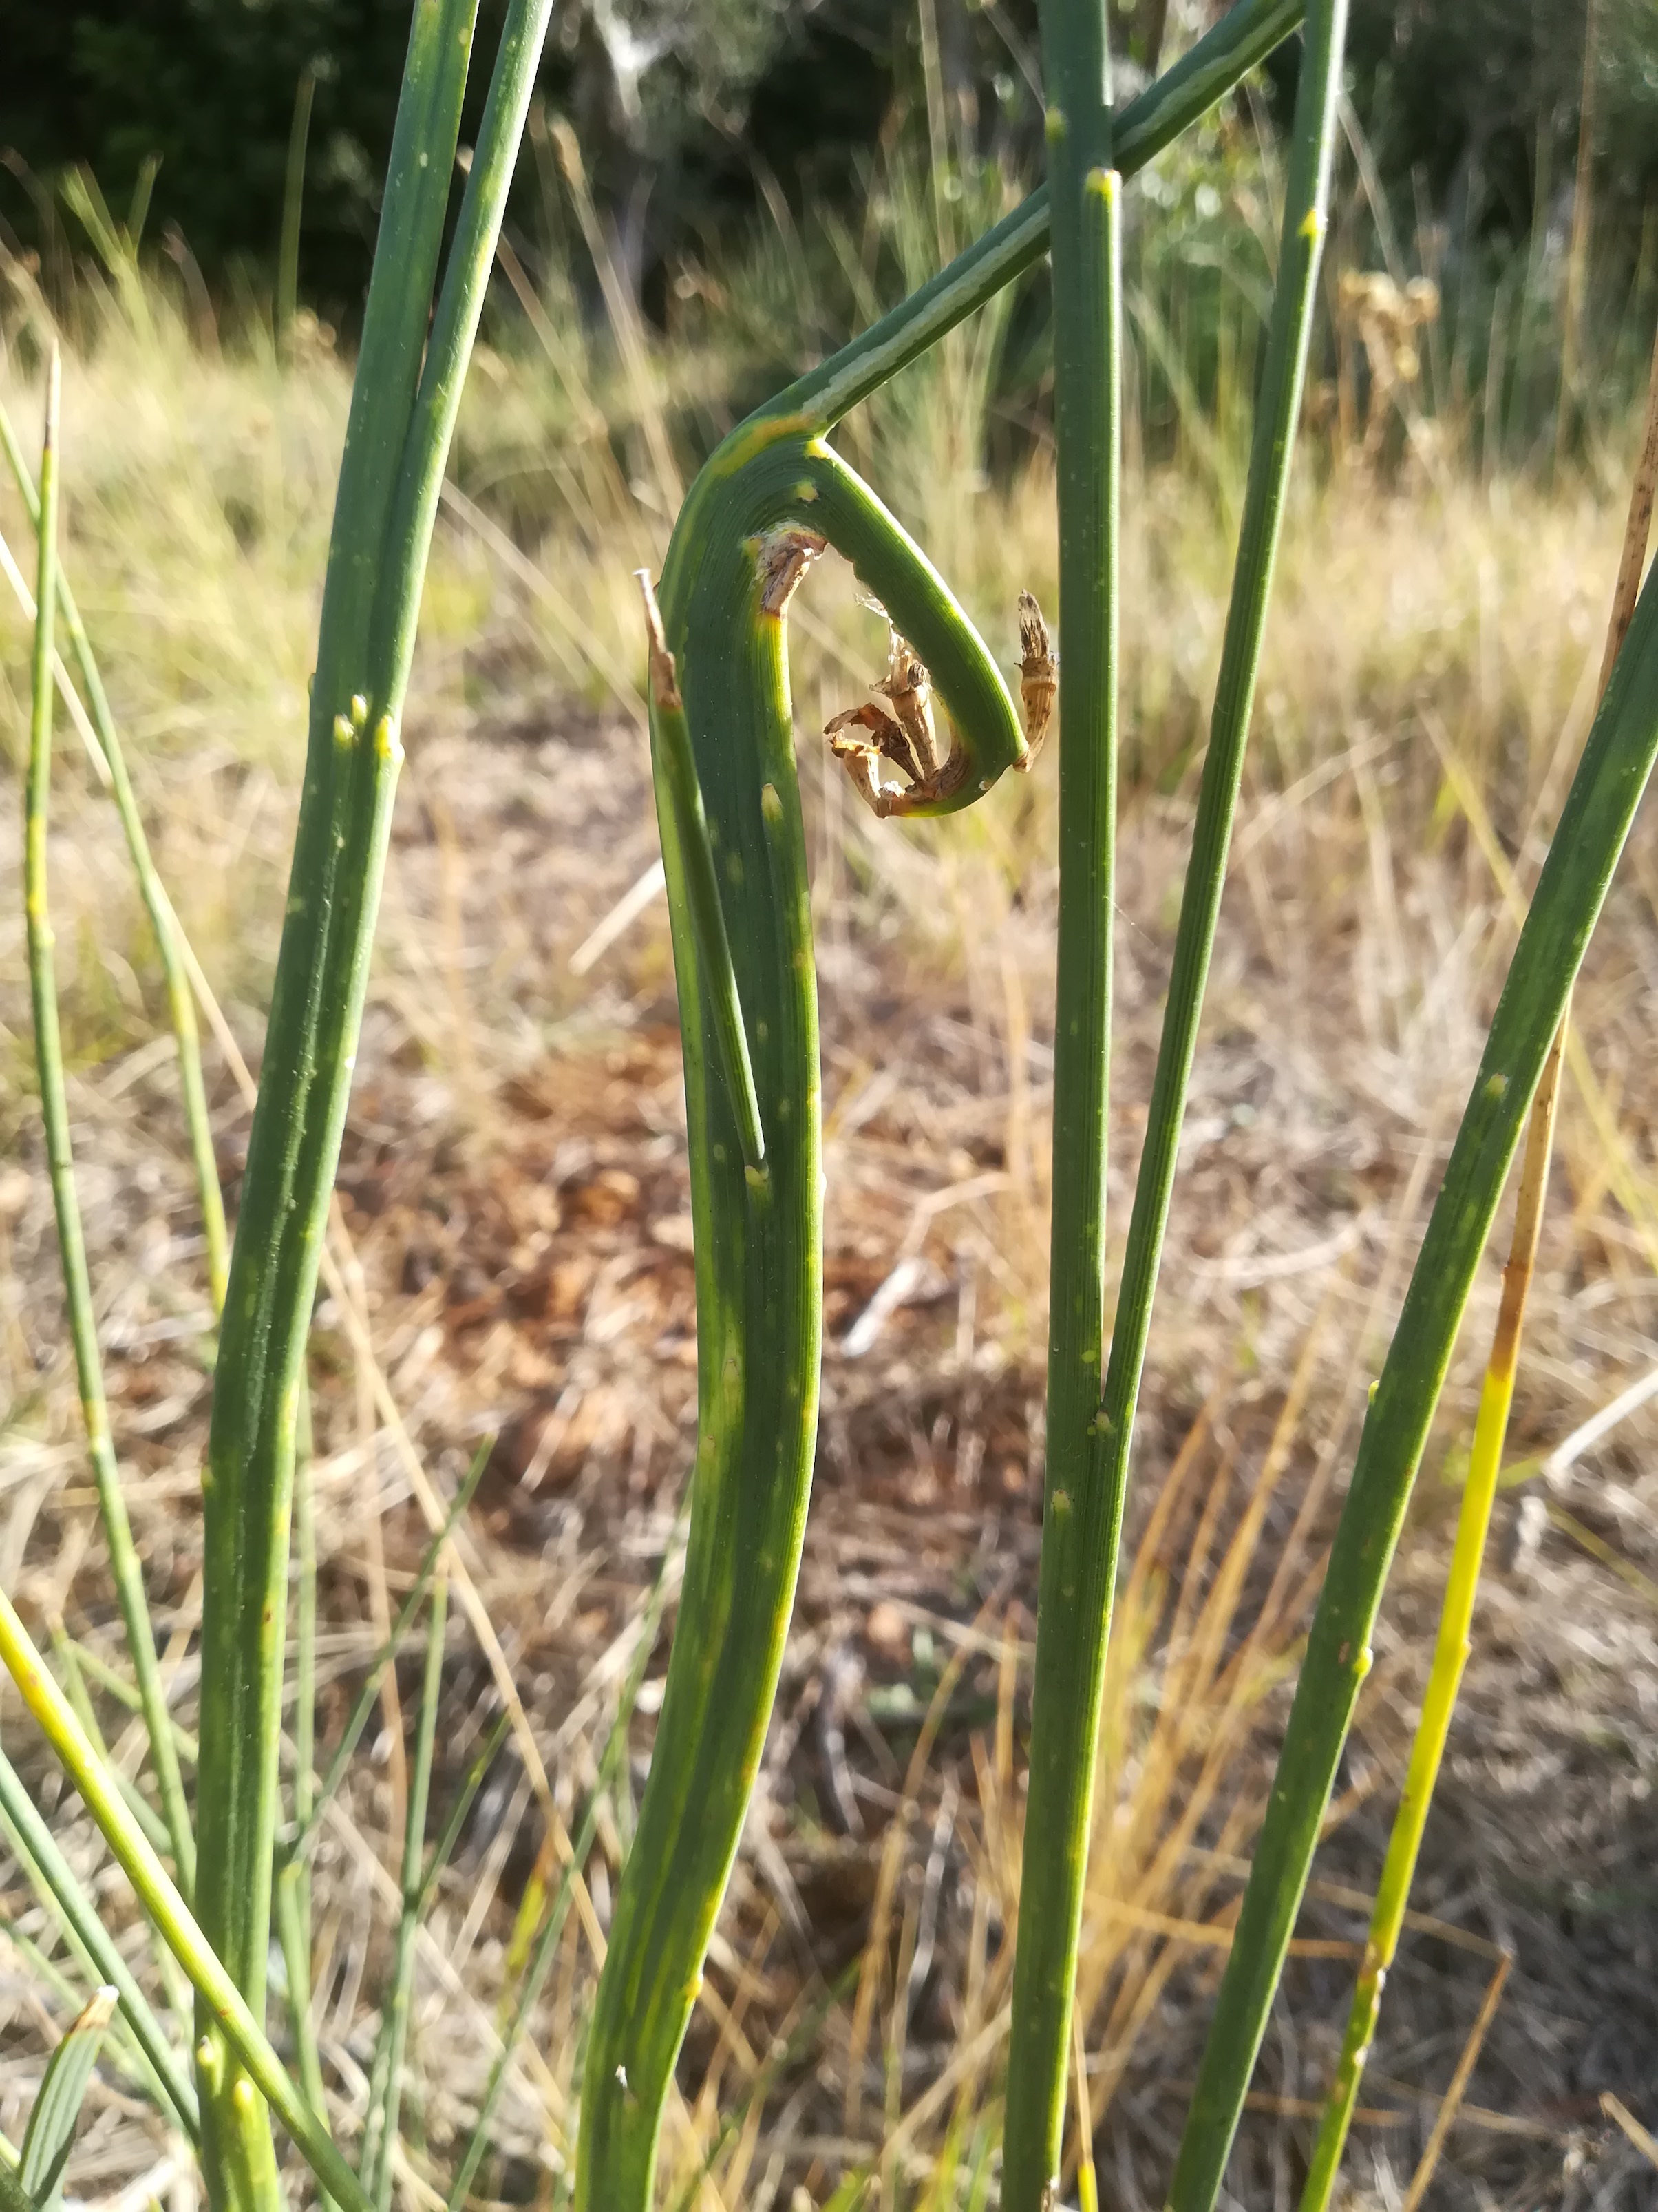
(611,1755)
(125,1564)
(1571,888)
(1451,1641)
(159,1897)
(166,2076)
(318,1800)
(164,924)
(1080,1516)
(405,401)
(386,2074)
(1451,1645)
(1091,1429)
(74,1688)
(292,1894)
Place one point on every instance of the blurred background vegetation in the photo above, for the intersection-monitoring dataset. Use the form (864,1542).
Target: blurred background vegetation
(204,131)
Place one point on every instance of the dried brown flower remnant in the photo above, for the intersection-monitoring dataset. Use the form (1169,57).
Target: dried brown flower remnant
(1039,677)
(898,718)
(783,559)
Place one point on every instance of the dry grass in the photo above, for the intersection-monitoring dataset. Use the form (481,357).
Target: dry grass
(513,1191)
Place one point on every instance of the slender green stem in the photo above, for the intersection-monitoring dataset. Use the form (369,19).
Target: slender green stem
(1080,1515)
(386,2074)
(292,1897)
(181,1002)
(217,1992)
(125,1564)
(764,507)
(1570,891)
(317,1800)
(56,2112)
(55,1879)
(1451,1647)
(1087,1485)
(403,404)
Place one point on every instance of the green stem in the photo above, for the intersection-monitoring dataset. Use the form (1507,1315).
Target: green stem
(1451,1646)
(125,1564)
(287,251)
(1080,1515)
(761,508)
(181,999)
(403,404)
(316,1800)
(292,1897)
(1091,1477)
(1570,891)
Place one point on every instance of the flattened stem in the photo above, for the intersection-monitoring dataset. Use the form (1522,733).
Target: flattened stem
(744,537)
(671,745)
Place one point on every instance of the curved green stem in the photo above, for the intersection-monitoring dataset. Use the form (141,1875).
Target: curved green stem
(763,508)
(1570,891)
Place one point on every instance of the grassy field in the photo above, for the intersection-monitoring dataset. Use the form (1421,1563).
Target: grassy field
(512,1250)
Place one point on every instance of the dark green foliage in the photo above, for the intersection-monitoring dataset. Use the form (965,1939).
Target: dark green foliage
(1482,100)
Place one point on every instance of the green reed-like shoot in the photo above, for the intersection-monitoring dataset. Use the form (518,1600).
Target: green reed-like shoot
(404,399)
(1090,1423)
(1081,1515)
(1452,1640)
(385,2075)
(55,2112)
(1594,823)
